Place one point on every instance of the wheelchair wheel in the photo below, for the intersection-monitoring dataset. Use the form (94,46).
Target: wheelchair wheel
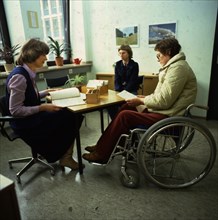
(131,178)
(176,152)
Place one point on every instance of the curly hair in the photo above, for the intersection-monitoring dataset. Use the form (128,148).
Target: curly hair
(127,48)
(168,46)
(32,50)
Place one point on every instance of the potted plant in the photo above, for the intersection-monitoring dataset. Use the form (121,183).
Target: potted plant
(57,49)
(77,81)
(7,54)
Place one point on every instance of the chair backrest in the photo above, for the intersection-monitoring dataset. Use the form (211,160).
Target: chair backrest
(3,107)
(56,82)
(6,131)
(140,82)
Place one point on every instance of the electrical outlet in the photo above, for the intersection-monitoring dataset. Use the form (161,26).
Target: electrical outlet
(70,71)
(41,76)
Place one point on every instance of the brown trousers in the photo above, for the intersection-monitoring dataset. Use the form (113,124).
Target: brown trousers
(126,119)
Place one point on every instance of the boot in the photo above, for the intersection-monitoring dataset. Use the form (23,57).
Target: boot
(94,157)
(68,161)
(90,148)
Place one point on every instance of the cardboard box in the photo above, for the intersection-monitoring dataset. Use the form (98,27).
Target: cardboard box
(93,96)
(102,89)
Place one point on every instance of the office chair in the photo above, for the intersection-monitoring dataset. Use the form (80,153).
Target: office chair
(140,83)
(7,132)
(56,82)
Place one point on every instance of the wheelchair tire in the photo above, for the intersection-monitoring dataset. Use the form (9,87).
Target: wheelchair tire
(133,179)
(172,160)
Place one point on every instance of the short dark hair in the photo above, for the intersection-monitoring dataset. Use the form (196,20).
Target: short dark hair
(168,46)
(127,48)
(32,50)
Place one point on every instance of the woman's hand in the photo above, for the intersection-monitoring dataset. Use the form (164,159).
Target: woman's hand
(49,107)
(140,96)
(135,102)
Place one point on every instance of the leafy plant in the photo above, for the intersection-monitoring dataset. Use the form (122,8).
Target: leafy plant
(57,48)
(8,53)
(77,80)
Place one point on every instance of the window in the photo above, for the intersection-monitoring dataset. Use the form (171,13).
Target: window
(4,34)
(53,22)
(55,19)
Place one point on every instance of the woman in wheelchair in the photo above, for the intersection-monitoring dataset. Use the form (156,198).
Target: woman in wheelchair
(176,89)
(48,129)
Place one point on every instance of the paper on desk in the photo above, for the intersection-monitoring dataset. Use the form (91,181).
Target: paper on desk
(126,95)
(95,83)
(69,102)
(67,97)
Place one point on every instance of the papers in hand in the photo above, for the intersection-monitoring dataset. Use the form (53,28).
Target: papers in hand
(67,97)
(126,95)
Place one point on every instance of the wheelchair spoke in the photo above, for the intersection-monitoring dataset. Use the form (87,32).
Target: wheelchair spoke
(177,154)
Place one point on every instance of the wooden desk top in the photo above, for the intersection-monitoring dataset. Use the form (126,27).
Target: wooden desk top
(105,100)
(147,75)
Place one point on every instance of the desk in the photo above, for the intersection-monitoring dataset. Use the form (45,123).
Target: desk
(106,100)
(8,199)
(149,83)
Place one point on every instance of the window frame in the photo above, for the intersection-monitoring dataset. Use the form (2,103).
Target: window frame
(4,32)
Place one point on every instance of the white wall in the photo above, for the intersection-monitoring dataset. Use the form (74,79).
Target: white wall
(17,18)
(93,26)
(195,31)
(15,21)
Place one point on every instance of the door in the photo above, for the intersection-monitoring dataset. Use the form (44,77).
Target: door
(213,91)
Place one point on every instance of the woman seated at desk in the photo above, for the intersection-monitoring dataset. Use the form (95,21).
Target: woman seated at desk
(48,129)
(176,89)
(126,75)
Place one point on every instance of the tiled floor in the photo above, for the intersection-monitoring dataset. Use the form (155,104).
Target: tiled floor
(99,194)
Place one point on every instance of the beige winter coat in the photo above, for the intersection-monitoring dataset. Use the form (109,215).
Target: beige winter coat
(176,89)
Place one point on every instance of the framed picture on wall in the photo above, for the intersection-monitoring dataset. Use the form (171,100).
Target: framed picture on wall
(158,32)
(127,35)
(32,19)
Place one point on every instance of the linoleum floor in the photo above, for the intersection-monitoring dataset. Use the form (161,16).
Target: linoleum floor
(98,193)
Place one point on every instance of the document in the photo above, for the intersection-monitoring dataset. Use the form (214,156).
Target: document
(126,95)
(95,83)
(67,97)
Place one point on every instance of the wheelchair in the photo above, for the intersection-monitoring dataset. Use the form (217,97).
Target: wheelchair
(176,152)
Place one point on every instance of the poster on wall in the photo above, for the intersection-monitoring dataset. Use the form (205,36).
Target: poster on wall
(128,35)
(158,32)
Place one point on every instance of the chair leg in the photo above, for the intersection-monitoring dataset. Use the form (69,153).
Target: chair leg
(31,161)
(85,120)
(26,167)
(38,160)
(20,160)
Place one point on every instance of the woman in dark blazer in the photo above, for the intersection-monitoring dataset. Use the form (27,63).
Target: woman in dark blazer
(126,75)
(126,71)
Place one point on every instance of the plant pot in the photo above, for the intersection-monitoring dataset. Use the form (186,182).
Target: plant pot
(59,61)
(79,87)
(9,67)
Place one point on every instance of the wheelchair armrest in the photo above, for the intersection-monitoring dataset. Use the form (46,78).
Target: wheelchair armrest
(188,109)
